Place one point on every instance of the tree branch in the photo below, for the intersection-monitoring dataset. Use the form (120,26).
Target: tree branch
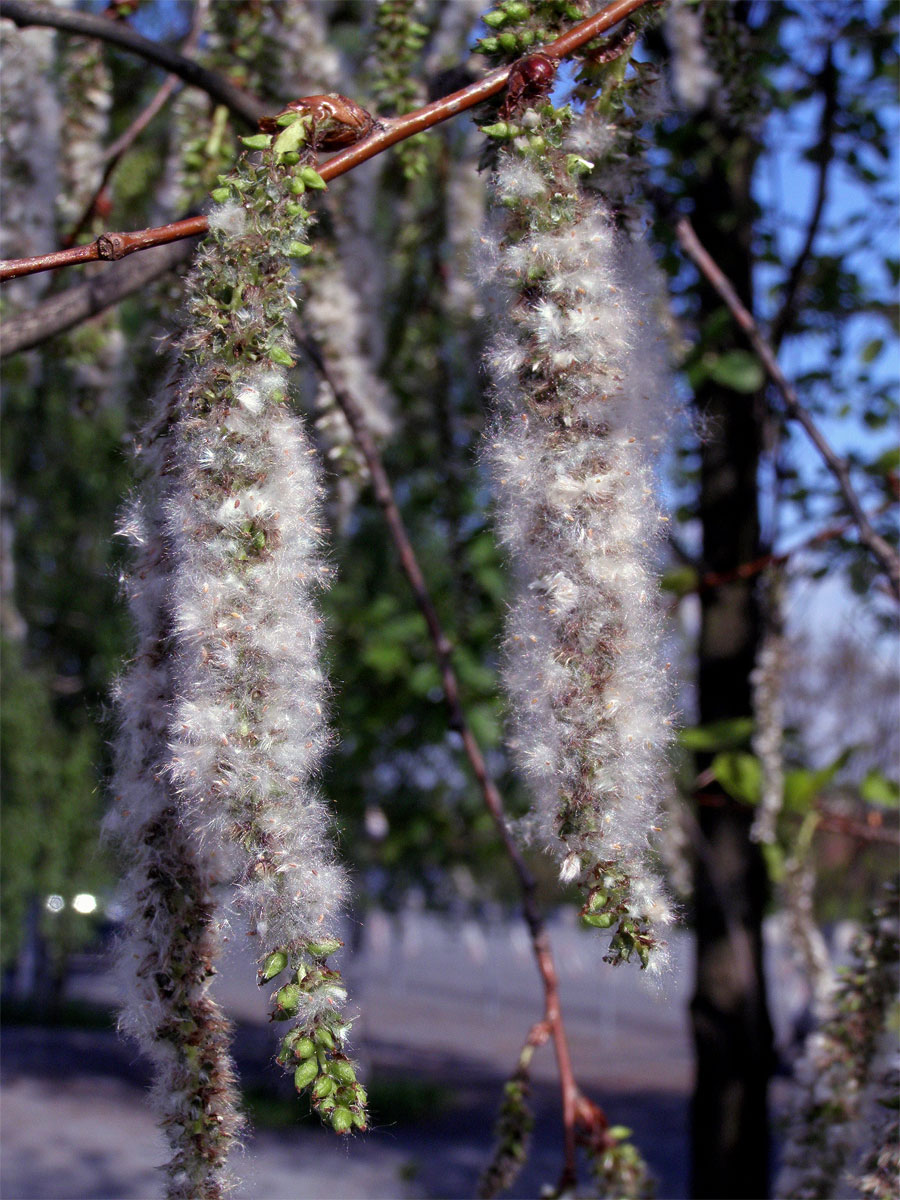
(69,308)
(540,941)
(245,107)
(113,153)
(386,133)
(824,157)
(877,545)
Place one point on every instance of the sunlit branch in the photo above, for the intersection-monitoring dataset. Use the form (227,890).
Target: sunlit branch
(877,545)
(386,133)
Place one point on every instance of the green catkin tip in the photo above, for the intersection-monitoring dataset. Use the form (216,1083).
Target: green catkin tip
(273,965)
(341,1119)
(257,141)
(305,1074)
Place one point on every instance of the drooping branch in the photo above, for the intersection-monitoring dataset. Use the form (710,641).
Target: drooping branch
(458,721)
(385,134)
(881,550)
(245,107)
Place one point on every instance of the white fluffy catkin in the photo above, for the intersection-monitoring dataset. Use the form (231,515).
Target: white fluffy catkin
(579,407)
(222,715)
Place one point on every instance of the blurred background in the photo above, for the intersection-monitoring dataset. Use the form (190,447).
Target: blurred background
(774,127)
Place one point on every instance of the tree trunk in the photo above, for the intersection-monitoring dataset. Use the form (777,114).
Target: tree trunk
(732,1031)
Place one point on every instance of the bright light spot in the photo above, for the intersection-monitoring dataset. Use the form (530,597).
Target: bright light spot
(84,902)
(55,904)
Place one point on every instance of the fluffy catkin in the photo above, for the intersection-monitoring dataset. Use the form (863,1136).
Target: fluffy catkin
(167,958)
(579,407)
(222,715)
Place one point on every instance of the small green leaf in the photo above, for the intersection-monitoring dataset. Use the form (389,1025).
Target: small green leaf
(737,369)
(257,141)
(732,733)
(877,788)
(291,138)
(740,774)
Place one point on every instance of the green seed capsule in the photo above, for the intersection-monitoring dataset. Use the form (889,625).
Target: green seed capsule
(597,900)
(305,1074)
(280,356)
(342,1119)
(257,141)
(598,920)
(304,1047)
(324,1037)
(288,999)
(272,966)
(313,179)
(298,250)
(324,1086)
(342,1071)
(221,194)
(324,948)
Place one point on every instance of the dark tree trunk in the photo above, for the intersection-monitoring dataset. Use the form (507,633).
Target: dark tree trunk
(732,1031)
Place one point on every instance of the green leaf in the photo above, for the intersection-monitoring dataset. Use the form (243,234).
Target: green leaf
(877,788)
(291,138)
(737,369)
(740,774)
(733,733)
(803,786)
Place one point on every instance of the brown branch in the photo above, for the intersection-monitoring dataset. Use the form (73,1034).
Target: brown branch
(458,722)
(387,133)
(824,157)
(114,152)
(245,107)
(748,570)
(877,545)
(69,308)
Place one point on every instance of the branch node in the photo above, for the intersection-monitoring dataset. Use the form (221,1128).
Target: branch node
(111,245)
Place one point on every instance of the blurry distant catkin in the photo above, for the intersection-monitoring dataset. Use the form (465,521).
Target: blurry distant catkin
(579,407)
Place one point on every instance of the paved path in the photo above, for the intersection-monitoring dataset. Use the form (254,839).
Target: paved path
(443,1004)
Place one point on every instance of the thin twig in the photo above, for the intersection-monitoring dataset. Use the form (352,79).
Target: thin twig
(877,545)
(458,722)
(245,107)
(386,133)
